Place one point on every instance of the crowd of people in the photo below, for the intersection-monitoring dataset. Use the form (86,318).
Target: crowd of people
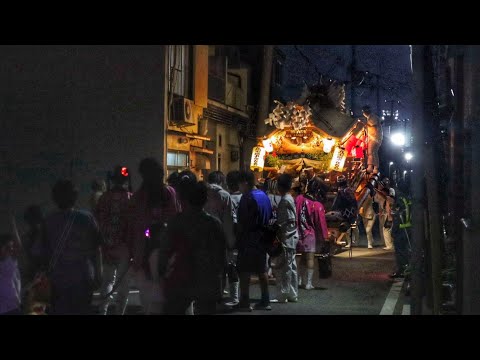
(183,243)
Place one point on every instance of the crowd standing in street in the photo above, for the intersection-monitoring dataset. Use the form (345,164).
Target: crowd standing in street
(187,243)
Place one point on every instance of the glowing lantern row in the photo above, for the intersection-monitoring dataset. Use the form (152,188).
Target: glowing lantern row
(258,158)
(328,145)
(267,144)
(338,159)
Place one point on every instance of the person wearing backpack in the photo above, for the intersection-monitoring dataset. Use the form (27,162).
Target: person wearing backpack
(111,214)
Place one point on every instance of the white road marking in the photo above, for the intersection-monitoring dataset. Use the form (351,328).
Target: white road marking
(392,298)
(406,310)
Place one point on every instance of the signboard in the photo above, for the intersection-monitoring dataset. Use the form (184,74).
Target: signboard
(258,158)
(338,160)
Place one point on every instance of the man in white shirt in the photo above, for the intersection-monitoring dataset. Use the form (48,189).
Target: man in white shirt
(384,197)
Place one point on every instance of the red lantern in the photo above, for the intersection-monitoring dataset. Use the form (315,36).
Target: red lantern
(124,171)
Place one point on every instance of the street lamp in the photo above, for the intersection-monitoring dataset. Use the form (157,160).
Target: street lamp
(408,156)
(389,166)
(398,139)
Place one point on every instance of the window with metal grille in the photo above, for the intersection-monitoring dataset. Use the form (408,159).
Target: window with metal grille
(180,65)
(177,159)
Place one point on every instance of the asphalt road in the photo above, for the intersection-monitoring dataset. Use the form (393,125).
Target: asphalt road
(359,286)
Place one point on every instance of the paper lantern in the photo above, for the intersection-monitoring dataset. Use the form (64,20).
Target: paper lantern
(258,158)
(267,144)
(328,145)
(338,159)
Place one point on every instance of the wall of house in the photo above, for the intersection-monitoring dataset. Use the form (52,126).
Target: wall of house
(76,111)
(200,98)
(229,143)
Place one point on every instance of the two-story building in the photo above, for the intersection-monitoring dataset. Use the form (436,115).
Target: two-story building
(213,112)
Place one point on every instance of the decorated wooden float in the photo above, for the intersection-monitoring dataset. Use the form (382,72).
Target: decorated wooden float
(316,132)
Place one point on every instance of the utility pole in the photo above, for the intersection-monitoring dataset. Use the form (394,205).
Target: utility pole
(431,170)
(418,208)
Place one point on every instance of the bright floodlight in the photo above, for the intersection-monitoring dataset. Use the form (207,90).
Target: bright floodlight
(408,156)
(398,139)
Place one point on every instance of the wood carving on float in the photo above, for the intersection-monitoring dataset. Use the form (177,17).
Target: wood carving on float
(310,128)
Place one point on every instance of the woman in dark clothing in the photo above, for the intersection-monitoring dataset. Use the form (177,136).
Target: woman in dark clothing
(73,243)
(151,209)
(197,255)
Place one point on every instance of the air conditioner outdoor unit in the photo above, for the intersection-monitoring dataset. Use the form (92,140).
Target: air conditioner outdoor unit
(182,112)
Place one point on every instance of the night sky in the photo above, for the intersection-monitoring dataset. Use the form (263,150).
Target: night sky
(391,62)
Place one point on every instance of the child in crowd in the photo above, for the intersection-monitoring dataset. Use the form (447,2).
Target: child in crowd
(10,283)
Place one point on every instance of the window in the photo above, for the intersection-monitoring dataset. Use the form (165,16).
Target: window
(235,80)
(219,162)
(177,159)
(217,71)
(235,94)
(220,140)
(180,65)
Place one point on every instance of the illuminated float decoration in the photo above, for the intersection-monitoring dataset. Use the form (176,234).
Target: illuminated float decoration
(309,129)
(258,159)
(328,145)
(315,132)
(267,144)
(338,159)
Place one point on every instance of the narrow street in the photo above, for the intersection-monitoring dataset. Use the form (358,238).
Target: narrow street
(359,286)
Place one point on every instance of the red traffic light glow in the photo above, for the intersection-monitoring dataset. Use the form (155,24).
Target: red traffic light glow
(124,171)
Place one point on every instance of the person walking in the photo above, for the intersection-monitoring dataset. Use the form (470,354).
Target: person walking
(10,281)
(197,254)
(254,214)
(368,217)
(73,247)
(312,229)
(111,214)
(286,275)
(233,184)
(219,204)
(346,204)
(151,209)
(385,197)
